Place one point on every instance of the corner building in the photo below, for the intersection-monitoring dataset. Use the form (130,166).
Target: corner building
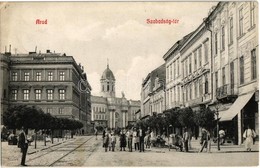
(217,66)
(111,111)
(51,81)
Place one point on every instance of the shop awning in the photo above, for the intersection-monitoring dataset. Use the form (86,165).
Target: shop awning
(235,108)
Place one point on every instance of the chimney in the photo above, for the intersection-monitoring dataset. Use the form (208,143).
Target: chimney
(10,48)
(36,49)
(48,51)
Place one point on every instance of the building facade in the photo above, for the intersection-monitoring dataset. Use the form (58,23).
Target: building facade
(111,111)
(217,66)
(153,92)
(51,81)
(234,27)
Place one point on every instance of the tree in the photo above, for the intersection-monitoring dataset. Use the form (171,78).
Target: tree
(205,118)
(186,117)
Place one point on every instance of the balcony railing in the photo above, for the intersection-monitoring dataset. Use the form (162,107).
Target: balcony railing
(225,91)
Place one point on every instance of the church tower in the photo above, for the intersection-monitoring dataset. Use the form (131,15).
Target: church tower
(107,82)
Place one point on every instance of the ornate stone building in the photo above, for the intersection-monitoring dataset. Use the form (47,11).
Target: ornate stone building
(217,66)
(109,110)
(54,82)
(153,92)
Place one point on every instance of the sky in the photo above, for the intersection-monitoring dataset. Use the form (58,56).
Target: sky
(94,32)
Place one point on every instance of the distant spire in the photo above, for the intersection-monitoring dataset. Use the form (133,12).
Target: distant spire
(107,63)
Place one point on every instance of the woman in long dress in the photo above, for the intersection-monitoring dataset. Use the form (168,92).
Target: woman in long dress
(249,134)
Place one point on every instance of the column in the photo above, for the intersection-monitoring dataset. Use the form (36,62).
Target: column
(239,127)
(110,119)
(123,114)
(114,119)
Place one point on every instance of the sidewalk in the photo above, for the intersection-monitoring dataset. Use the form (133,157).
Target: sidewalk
(226,148)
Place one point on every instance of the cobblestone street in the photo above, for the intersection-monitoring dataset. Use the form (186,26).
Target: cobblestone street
(87,151)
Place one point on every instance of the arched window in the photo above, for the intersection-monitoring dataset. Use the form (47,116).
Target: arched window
(107,86)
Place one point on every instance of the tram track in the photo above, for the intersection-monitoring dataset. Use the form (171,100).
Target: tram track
(51,150)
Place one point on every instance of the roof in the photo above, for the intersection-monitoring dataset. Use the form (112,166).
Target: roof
(108,74)
(158,72)
(177,46)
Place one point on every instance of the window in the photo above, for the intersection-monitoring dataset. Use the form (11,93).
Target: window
(62,94)
(107,86)
(14,76)
(62,76)
(199,59)
(216,79)
(206,51)
(60,110)
(50,76)
(38,94)
(178,67)
(26,76)
(241,61)
(26,94)
(231,30)
(196,88)
(195,60)
(38,76)
(200,87)
(49,110)
(14,94)
(171,71)
(174,70)
(190,92)
(252,14)
(103,88)
(187,93)
(240,22)
(223,76)
(49,94)
(216,43)
(223,38)
(253,64)
(206,84)
(190,64)
(232,79)
(186,66)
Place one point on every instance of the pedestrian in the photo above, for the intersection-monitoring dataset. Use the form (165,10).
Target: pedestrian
(204,139)
(186,138)
(103,136)
(23,144)
(249,136)
(135,139)
(122,140)
(152,139)
(221,136)
(147,138)
(106,141)
(113,141)
(130,140)
(96,133)
(109,141)
(141,135)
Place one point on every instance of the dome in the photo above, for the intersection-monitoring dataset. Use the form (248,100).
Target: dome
(108,74)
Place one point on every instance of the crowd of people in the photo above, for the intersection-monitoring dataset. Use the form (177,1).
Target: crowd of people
(137,139)
(134,139)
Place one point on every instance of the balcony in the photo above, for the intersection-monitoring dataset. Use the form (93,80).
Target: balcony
(226,94)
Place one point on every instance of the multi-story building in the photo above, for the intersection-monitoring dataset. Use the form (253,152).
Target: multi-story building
(153,92)
(174,75)
(218,67)
(4,83)
(109,110)
(235,51)
(51,81)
